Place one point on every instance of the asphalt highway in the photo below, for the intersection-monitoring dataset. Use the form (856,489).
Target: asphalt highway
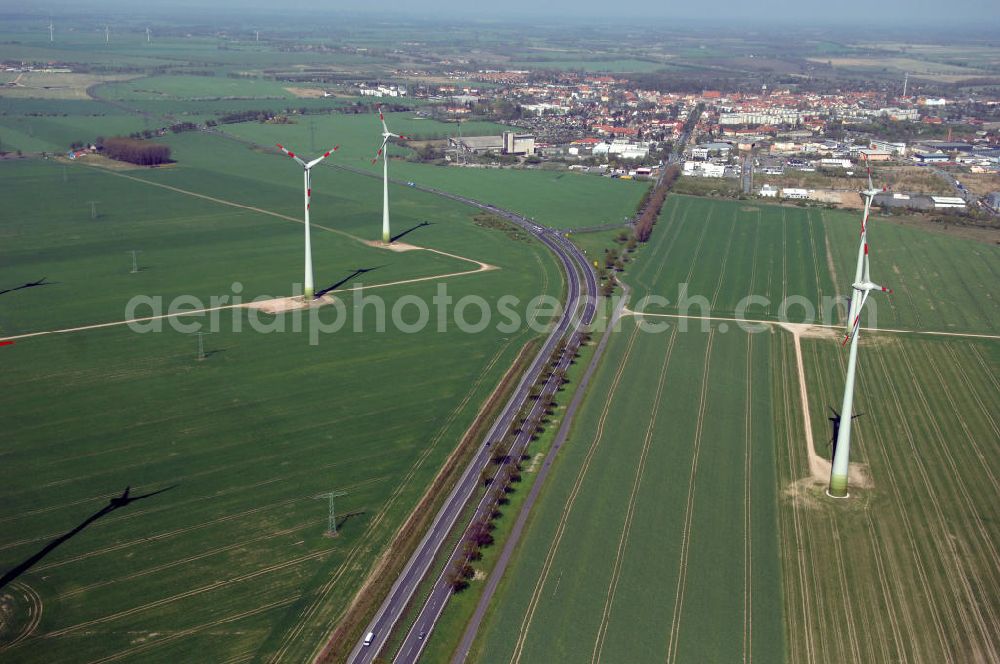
(574,317)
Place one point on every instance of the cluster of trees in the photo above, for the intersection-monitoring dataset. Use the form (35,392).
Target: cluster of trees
(509,471)
(245,116)
(136,151)
(650,212)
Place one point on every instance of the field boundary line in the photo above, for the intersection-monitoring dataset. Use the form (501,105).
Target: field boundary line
(484,267)
(807,326)
(630,512)
(568,507)
(675,622)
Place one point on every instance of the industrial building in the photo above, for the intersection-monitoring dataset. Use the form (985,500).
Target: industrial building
(478,144)
(519,144)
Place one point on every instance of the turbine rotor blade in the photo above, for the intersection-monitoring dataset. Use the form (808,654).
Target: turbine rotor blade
(290,154)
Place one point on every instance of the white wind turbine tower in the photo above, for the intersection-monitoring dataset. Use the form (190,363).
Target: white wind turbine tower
(52,30)
(862,287)
(308,288)
(107,34)
(383,152)
(147,34)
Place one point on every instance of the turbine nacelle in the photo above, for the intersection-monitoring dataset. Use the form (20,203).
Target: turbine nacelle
(868,286)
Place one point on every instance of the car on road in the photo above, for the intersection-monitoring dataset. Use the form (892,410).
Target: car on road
(369,637)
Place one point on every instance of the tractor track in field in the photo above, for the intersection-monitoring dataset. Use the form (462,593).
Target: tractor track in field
(217,448)
(650,286)
(983,460)
(189,501)
(665,234)
(725,259)
(914,552)
(944,543)
(623,541)
(810,224)
(798,543)
(914,549)
(111,617)
(154,510)
(832,268)
(747,533)
(173,533)
(131,652)
(320,596)
(974,392)
(969,504)
(989,374)
(675,622)
(697,249)
(35,609)
(188,559)
(753,259)
(887,595)
(852,632)
(784,257)
(568,507)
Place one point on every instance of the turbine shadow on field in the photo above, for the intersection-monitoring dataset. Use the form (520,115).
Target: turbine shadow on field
(30,284)
(114,503)
(357,273)
(409,230)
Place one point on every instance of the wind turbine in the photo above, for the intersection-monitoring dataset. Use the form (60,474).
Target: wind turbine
(307,291)
(863,287)
(147,34)
(382,152)
(52,30)
(107,34)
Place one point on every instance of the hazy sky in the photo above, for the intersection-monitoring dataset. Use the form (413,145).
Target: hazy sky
(984,13)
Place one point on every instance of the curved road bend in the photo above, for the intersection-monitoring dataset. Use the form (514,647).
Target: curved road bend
(418,565)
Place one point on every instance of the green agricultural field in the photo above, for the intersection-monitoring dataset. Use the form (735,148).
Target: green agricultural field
(56,133)
(651,543)
(907,570)
(175,87)
(657,536)
(556,198)
(229,560)
(728,250)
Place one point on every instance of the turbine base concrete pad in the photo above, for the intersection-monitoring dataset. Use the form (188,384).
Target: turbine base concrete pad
(282,304)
